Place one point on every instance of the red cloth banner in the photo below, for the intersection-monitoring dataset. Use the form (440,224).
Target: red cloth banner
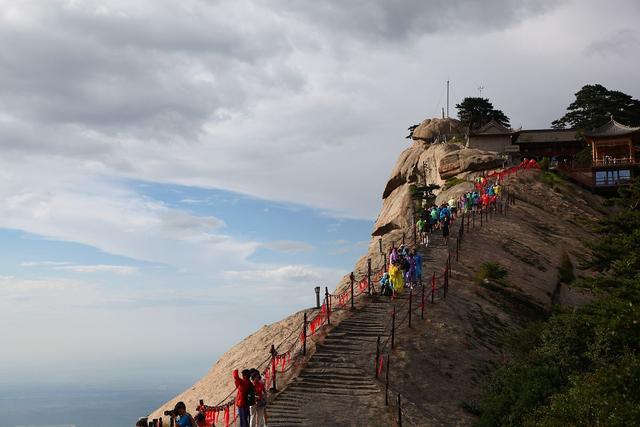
(363,285)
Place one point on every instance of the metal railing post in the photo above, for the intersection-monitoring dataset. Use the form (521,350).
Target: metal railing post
(433,286)
(370,285)
(386,386)
(273,367)
(327,301)
(352,280)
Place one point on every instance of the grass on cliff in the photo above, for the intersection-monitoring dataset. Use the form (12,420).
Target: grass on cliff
(581,366)
(490,271)
(452,182)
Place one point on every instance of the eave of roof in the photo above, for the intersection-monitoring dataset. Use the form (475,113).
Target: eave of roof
(540,136)
(611,128)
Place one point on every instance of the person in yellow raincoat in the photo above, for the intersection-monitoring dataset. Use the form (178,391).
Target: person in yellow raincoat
(395,275)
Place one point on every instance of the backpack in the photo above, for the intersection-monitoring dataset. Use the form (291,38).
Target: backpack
(251,395)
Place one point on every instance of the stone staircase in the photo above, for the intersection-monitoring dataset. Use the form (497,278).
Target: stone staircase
(337,386)
(336,376)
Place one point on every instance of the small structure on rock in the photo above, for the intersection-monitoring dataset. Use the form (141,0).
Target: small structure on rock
(493,137)
(552,143)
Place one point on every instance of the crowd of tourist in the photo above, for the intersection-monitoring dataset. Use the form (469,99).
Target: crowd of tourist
(250,403)
(405,270)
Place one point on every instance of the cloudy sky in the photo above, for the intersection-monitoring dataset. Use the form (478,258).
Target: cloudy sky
(164,163)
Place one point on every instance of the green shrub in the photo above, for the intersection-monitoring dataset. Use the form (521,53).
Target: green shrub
(452,182)
(491,271)
(610,396)
(544,163)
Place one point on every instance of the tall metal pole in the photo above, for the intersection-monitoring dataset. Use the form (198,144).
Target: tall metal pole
(304,335)
(370,285)
(352,280)
(447,99)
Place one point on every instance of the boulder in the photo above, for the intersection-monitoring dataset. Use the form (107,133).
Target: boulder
(467,160)
(430,129)
(393,214)
(406,168)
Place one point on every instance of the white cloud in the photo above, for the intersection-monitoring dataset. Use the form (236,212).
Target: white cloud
(288,246)
(278,101)
(287,273)
(100,268)
(43,263)
(14,288)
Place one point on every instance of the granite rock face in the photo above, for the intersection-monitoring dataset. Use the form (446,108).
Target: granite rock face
(436,163)
(430,129)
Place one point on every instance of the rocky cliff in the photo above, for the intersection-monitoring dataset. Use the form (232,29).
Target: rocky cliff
(532,265)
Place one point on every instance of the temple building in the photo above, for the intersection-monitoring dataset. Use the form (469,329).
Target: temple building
(492,137)
(614,149)
(552,143)
(614,154)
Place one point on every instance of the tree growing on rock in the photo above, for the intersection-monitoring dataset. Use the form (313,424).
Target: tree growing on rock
(595,105)
(411,129)
(475,112)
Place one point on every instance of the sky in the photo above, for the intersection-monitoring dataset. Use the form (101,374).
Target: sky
(175,174)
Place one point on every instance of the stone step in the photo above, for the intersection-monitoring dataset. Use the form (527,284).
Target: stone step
(286,422)
(339,391)
(349,338)
(366,335)
(344,345)
(336,378)
(321,384)
(331,370)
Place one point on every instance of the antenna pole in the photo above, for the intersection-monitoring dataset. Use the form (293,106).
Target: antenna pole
(447,99)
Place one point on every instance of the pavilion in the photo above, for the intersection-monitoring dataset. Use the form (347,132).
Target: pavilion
(613,147)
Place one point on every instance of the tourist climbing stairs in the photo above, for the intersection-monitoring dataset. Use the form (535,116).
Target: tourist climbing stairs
(337,385)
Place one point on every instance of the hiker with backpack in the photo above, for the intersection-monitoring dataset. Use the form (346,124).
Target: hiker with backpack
(245,396)
(396,278)
(410,273)
(417,261)
(385,285)
(445,231)
(422,229)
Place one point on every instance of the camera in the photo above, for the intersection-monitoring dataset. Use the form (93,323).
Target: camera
(170,413)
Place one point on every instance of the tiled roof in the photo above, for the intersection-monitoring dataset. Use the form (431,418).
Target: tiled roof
(612,128)
(539,136)
(492,128)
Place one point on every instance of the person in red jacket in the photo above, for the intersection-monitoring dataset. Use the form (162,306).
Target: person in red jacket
(243,386)
(258,411)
